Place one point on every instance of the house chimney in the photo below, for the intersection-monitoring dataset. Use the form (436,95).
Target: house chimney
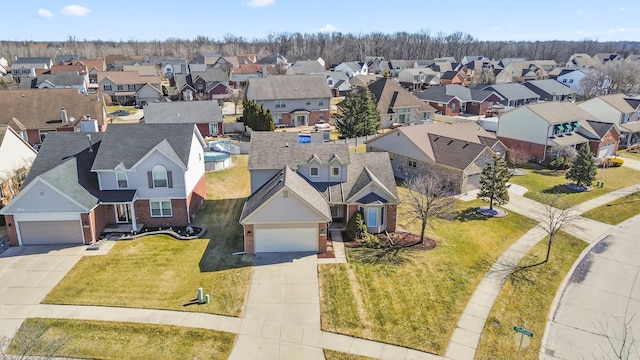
(88,117)
(63,115)
(90,145)
(264,70)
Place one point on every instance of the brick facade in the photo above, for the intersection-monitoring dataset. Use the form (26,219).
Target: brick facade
(401,168)
(196,197)
(535,151)
(391,218)
(11,230)
(204,129)
(249,239)
(323,229)
(179,214)
(87,228)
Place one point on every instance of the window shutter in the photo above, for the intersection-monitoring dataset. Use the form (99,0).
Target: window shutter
(150,177)
(170,179)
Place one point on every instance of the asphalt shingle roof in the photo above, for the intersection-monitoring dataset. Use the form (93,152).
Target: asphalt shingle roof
(385,90)
(286,87)
(550,86)
(453,152)
(513,91)
(182,112)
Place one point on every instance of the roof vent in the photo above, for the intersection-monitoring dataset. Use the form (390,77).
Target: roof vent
(286,145)
(465,145)
(436,139)
(450,141)
(63,115)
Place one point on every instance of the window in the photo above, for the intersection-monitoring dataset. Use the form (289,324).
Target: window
(453,106)
(131,87)
(280,104)
(107,88)
(285,194)
(372,217)
(160,208)
(213,128)
(413,163)
(321,102)
(120,87)
(308,102)
(330,82)
(314,171)
(564,81)
(277,118)
(121,176)
(335,171)
(159,177)
(570,81)
(24,135)
(43,134)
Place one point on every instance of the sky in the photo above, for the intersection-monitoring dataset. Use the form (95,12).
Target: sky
(118,20)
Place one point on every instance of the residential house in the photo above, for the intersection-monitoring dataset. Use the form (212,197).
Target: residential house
(418,78)
(603,58)
(353,68)
(539,128)
(469,58)
(206,115)
(36,113)
(23,65)
(64,80)
(620,110)
(239,76)
(202,85)
(297,190)
(93,66)
(547,65)
(506,61)
(514,94)
(454,100)
(143,70)
(338,82)
(362,81)
(278,62)
(16,157)
(398,106)
(458,77)
(132,176)
(551,90)
(4,66)
(459,151)
(395,66)
(579,60)
(521,71)
(302,67)
(129,87)
(586,82)
(301,100)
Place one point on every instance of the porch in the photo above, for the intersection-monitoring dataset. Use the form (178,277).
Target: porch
(122,228)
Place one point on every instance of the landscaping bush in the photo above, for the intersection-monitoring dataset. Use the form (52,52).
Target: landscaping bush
(559,164)
(356,228)
(371,241)
(613,162)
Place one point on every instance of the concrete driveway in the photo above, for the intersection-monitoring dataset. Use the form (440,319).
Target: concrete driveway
(602,294)
(27,274)
(282,311)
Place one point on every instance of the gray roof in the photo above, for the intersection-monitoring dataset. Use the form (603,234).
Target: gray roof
(295,183)
(306,67)
(549,86)
(128,143)
(211,75)
(32,60)
(182,112)
(513,91)
(63,78)
(286,87)
(444,94)
(271,150)
(453,152)
(65,161)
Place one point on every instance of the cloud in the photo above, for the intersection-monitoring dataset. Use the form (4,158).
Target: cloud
(74,10)
(621,9)
(580,12)
(259,3)
(328,28)
(44,13)
(622,30)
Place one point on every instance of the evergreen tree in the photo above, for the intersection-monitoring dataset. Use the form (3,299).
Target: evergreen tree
(583,169)
(493,182)
(269,124)
(372,119)
(358,115)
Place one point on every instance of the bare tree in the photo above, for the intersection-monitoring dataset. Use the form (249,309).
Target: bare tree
(517,156)
(623,345)
(31,341)
(236,96)
(430,197)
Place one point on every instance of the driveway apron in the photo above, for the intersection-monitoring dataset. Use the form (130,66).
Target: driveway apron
(282,311)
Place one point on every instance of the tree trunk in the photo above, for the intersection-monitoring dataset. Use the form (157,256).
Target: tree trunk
(422,230)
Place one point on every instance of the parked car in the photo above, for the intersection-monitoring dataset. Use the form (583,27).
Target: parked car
(322,125)
(141,104)
(121,113)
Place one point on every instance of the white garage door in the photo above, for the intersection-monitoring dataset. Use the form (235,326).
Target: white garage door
(50,232)
(607,150)
(286,240)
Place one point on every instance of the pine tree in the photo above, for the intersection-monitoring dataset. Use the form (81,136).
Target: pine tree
(372,120)
(583,169)
(358,115)
(346,124)
(493,182)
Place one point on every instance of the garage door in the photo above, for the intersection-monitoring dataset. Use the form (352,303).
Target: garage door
(50,232)
(607,150)
(286,240)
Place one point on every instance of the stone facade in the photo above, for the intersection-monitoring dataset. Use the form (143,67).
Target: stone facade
(401,168)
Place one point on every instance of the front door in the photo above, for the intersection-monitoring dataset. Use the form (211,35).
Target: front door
(301,120)
(123,213)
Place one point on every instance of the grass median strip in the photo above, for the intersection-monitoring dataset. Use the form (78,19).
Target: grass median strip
(616,211)
(417,304)
(118,340)
(543,181)
(337,355)
(528,301)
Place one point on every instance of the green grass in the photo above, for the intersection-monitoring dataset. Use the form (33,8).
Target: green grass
(337,355)
(114,340)
(417,304)
(528,301)
(161,272)
(616,211)
(630,155)
(232,118)
(542,181)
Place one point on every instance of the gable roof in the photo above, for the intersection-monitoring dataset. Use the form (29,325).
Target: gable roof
(182,112)
(294,182)
(301,67)
(620,102)
(38,109)
(128,77)
(97,63)
(389,95)
(513,91)
(62,78)
(253,69)
(454,152)
(445,93)
(32,60)
(128,143)
(555,112)
(549,86)
(285,87)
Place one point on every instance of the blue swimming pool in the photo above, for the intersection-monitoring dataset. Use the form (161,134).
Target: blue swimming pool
(304,139)
(212,156)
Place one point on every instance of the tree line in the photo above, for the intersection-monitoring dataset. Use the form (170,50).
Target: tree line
(333,47)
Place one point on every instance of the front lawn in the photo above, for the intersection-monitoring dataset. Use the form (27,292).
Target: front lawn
(616,211)
(417,304)
(115,340)
(337,355)
(543,181)
(161,272)
(528,301)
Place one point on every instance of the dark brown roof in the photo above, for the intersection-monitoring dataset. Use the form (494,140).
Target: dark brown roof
(455,153)
(389,94)
(41,108)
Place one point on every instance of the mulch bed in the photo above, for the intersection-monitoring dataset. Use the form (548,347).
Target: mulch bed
(400,239)
(328,254)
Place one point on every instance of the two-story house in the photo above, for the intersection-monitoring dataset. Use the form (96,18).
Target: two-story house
(298,190)
(27,66)
(455,99)
(129,87)
(301,100)
(16,157)
(353,68)
(239,76)
(397,105)
(132,176)
(618,109)
(206,115)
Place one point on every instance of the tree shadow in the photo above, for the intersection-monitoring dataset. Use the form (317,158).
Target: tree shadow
(225,235)
(470,214)
(559,189)
(549,172)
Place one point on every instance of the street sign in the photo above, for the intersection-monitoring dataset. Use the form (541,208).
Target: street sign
(523,331)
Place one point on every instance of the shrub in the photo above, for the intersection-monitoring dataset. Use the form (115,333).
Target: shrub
(559,164)
(356,228)
(613,162)
(371,241)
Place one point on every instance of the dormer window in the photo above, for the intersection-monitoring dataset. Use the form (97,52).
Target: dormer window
(314,171)
(123,183)
(335,171)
